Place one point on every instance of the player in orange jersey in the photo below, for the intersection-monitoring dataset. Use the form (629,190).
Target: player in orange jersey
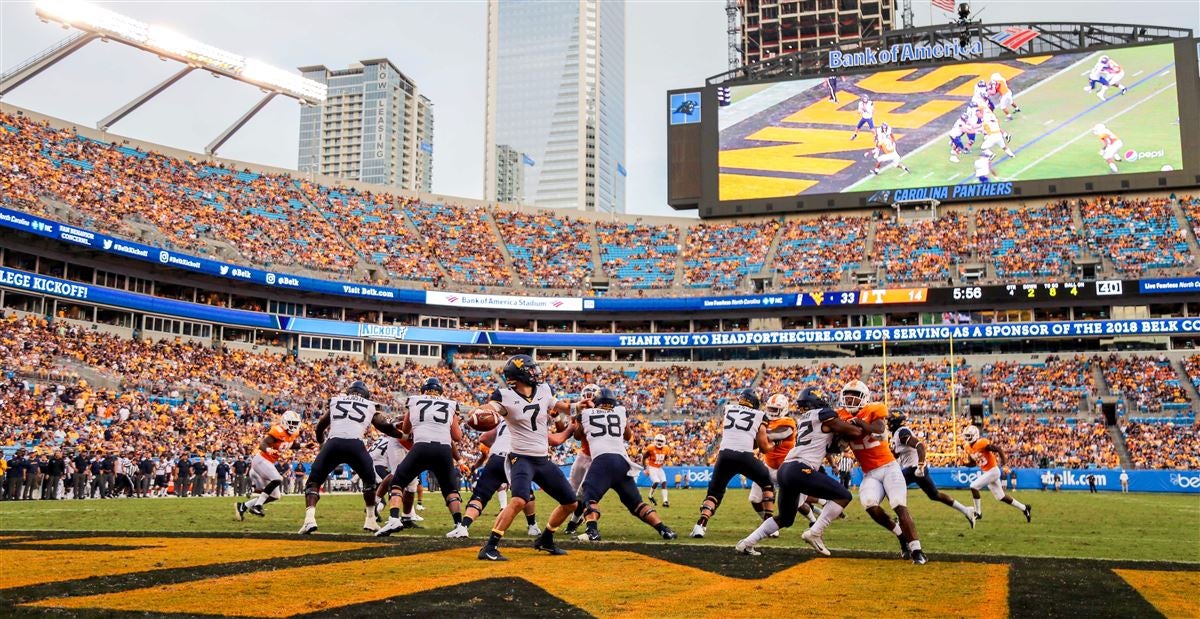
(1110,145)
(1002,95)
(981,452)
(263,475)
(881,473)
(654,458)
(885,153)
(781,430)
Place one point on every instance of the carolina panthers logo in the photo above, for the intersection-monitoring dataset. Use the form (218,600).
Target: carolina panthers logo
(881,197)
(686,108)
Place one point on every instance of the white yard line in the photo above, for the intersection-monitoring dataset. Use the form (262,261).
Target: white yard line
(1088,131)
(1048,122)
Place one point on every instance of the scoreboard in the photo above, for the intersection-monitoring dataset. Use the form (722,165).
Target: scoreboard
(977,296)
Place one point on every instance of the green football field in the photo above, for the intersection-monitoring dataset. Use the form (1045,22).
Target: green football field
(1052,135)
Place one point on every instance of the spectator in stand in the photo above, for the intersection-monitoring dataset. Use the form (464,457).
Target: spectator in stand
(1147,383)
(920,251)
(718,256)
(1137,235)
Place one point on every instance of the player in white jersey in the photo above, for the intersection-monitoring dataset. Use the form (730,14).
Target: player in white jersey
(583,461)
(979,98)
(528,406)
(340,433)
(885,153)
(493,479)
(606,427)
(984,172)
(162,472)
(1110,145)
(743,429)
(910,453)
(866,113)
(433,422)
(1106,72)
(386,454)
(993,135)
(801,476)
(963,129)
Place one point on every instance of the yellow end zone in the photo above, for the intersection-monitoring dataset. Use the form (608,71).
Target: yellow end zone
(39,566)
(603,583)
(1174,594)
(749,187)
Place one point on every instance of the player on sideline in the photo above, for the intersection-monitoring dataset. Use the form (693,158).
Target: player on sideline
(654,458)
(346,421)
(263,475)
(742,430)
(963,128)
(432,420)
(885,153)
(882,476)
(981,452)
(528,406)
(801,475)
(606,427)
(998,87)
(491,480)
(866,113)
(1110,145)
(993,135)
(910,453)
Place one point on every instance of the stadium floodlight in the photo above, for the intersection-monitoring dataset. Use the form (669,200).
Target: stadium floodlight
(168,43)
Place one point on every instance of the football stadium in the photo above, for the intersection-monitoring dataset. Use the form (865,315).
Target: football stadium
(892,314)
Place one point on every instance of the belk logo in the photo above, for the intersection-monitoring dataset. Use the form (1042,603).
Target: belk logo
(107,243)
(163,256)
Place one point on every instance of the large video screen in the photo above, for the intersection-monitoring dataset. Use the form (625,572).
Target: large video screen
(1031,118)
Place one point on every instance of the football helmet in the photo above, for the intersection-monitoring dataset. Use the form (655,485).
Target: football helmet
(981,84)
(606,398)
(359,389)
(749,397)
(432,384)
(291,422)
(885,128)
(895,420)
(854,396)
(963,117)
(1104,60)
(590,392)
(866,98)
(777,406)
(1099,128)
(522,369)
(811,399)
(970,434)
(660,440)
(996,77)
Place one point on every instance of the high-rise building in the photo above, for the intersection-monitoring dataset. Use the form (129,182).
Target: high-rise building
(374,127)
(772,28)
(556,95)
(510,174)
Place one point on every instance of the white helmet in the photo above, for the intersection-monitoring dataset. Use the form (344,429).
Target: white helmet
(1099,128)
(590,392)
(291,422)
(996,77)
(1104,60)
(660,440)
(777,406)
(854,396)
(970,434)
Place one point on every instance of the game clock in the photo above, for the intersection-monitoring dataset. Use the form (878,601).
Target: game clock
(1025,293)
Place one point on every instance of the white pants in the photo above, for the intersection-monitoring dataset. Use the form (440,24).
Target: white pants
(993,139)
(262,472)
(1114,79)
(756,491)
(1006,100)
(1113,150)
(657,475)
(579,470)
(887,159)
(887,480)
(990,479)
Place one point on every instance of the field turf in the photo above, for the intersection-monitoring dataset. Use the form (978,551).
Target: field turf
(1083,555)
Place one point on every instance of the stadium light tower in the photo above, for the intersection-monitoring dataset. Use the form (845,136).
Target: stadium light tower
(96,22)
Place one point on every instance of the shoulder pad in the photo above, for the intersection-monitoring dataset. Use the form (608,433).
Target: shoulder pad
(874,410)
(496,396)
(825,414)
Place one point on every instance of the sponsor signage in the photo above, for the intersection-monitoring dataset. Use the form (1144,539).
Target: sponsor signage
(907,52)
(495,301)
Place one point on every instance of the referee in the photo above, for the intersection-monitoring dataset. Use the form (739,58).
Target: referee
(845,465)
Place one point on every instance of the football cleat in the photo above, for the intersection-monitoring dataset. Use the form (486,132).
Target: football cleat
(308,528)
(257,510)
(745,548)
(773,534)
(534,531)
(854,137)
(491,553)
(954,158)
(816,541)
(698,531)
(548,547)
(905,553)
(459,531)
(1123,91)
(668,533)
(591,535)
(919,558)
(370,525)
(411,523)
(666,503)
(420,507)
(417,517)
(240,510)
(652,500)
(1028,513)
(971,519)
(978,516)
(875,172)
(389,527)
(572,528)
(379,511)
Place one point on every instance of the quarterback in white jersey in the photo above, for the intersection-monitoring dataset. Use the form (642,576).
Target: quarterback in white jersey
(801,475)
(606,427)
(743,429)
(340,432)
(528,407)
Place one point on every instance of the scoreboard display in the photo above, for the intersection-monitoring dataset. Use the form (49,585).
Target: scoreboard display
(869,135)
(978,296)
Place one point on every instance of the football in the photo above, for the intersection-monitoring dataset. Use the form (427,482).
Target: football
(483,420)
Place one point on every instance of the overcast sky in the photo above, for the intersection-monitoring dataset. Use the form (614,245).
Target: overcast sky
(440,45)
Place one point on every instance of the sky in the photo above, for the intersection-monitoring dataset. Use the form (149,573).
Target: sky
(439,45)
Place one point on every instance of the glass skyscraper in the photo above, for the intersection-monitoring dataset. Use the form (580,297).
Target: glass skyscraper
(556,94)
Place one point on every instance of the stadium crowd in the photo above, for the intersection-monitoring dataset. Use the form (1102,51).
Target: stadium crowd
(1052,386)
(1147,383)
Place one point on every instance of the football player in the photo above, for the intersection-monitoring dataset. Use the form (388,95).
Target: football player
(882,476)
(606,427)
(432,420)
(980,98)
(583,460)
(743,429)
(963,128)
(981,452)
(264,477)
(654,458)
(1110,145)
(801,475)
(386,454)
(866,113)
(993,135)
(984,172)
(999,90)
(1114,75)
(910,453)
(340,433)
(528,406)
(885,152)
(781,430)
(495,445)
